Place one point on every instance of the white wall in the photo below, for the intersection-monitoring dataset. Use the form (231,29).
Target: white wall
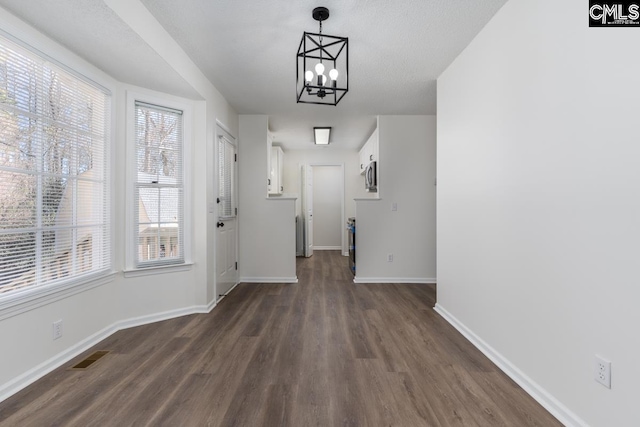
(117,302)
(267,225)
(406,173)
(327,207)
(538,203)
(354,182)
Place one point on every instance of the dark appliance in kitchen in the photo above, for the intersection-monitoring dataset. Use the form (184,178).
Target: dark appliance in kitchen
(371,177)
(351,226)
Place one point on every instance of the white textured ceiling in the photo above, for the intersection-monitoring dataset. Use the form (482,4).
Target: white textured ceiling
(247,50)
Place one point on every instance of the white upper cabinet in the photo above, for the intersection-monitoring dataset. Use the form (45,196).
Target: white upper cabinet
(369,152)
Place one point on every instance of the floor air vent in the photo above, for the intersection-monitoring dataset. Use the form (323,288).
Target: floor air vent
(90,360)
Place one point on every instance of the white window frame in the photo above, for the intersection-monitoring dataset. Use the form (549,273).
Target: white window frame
(15,303)
(174,103)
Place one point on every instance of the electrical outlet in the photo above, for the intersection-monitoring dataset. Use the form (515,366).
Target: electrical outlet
(389,257)
(57,329)
(602,372)
(394,207)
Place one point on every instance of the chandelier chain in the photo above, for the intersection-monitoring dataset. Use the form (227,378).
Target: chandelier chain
(320,38)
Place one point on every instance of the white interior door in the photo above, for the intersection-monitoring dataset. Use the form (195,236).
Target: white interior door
(307,208)
(227,230)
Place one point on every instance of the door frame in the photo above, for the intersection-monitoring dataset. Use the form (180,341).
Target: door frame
(344,245)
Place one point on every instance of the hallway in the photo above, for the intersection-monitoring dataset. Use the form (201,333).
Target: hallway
(323,352)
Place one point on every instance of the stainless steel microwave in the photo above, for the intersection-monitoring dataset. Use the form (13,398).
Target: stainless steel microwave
(371,177)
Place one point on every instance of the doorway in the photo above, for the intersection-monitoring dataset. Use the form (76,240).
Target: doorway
(323,207)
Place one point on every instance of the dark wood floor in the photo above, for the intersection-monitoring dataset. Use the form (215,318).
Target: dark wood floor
(324,352)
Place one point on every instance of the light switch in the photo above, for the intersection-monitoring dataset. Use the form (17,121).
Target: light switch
(394,206)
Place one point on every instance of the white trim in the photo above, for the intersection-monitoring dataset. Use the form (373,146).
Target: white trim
(269,279)
(225,128)
(18,383)
(418,280)
(159,317)
(345,253)
(212,304)
(327,248)
(344,244)
(38,290)
(543,397)
(158,269)
(187,107)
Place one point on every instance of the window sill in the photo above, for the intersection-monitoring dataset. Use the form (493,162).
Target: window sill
(148,271)
(30,299)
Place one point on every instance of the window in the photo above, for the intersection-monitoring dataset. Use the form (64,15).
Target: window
(158,187)
(54,191)
(226,179)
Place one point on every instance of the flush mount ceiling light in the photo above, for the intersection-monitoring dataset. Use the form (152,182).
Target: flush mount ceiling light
(321,136)
(319,54)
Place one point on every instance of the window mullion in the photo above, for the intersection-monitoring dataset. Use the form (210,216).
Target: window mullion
(74,224)
(72,180)
(39,135)
(159,221)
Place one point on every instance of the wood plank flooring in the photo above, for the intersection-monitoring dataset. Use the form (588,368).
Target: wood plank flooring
(323,352)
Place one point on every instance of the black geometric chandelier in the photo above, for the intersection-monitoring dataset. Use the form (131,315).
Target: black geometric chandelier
(320,55)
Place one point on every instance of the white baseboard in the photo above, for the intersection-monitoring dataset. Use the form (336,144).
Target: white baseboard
(345,253)
(269,279)
(212,304)
(544,398)
(15,385)
(159,317)
(327,248)
(418,280)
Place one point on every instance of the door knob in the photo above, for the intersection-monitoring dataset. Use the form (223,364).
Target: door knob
(220,224)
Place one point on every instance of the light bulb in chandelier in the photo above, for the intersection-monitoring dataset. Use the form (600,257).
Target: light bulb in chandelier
(334,77)
(308,76)
(319,68)
(322,79)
